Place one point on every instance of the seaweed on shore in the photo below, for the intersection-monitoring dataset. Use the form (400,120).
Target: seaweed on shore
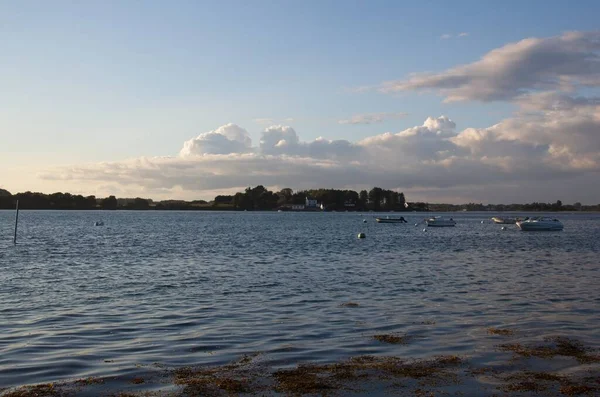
(235,378)
(89,381)
(501,332)
(558,346)
(347,375)
(43,390)
(536,382)
(350,304)
(395,339)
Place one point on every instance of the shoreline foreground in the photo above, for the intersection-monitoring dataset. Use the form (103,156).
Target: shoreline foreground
(550,366)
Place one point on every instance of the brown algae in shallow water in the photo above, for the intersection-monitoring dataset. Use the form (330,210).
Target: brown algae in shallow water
(45,390)
(530,381)
(89,381)
(210,382)
(234,378)
(347,375)
(578,390)
(559,346)
(396,339)
(304,379)
(502,332)
(431,376)
(350,304)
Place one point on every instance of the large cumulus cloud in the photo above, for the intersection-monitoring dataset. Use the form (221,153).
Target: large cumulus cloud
(283,140)
(543,145)
(229,138)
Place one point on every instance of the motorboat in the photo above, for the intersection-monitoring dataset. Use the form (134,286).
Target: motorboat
(505,221)
(438,221)
(391,220)
(540,224)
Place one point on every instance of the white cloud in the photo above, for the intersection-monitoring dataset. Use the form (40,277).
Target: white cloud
(563,62)
(265,120)
(283,140)
(229,138)
(372,118)
(272,121)
(447,36)
(276,137)
(555,146)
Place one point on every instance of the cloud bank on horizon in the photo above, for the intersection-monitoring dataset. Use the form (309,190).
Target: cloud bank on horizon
(550,146)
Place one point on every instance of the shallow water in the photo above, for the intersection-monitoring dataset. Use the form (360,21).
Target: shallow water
(183,288)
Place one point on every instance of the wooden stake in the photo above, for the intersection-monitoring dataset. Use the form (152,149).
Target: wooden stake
(16,223)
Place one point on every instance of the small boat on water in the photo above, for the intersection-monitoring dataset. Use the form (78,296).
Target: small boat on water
(438,221)
(391,220)
(505,221)
(540,224)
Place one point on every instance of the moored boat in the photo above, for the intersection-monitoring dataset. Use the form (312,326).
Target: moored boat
(438,221)
(540,224)
(391,220)
(505,221)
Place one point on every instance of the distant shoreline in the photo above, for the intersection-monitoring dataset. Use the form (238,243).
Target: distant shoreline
(300,211)
(261,199)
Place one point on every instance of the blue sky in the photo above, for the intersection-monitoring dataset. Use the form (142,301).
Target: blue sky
(107,81)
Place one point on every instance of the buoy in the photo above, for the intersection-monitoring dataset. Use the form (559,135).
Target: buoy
(100,223)
(503,228)
(416,224)
(425,229)
(364,221)
(481,221)
(361,235)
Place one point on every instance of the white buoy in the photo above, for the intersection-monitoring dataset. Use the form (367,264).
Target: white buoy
(416,224)
(364,221)
(361,235)
(425,229)
(503,228)
(481,221)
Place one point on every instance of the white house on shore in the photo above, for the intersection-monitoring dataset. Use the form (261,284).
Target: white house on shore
(311,203)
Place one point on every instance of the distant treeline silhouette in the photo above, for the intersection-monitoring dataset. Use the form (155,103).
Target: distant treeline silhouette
(261,199)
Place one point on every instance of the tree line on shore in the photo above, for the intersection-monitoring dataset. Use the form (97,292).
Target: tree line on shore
(262,199)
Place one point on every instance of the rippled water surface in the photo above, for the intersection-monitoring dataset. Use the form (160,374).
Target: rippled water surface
(180,288)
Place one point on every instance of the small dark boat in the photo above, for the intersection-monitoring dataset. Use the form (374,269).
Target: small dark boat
(391,220)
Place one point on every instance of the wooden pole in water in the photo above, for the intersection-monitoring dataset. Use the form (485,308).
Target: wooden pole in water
(16,223)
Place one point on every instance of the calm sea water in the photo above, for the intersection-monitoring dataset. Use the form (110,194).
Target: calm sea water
(180,288)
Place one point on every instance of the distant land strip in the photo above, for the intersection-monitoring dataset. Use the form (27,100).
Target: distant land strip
(261,199)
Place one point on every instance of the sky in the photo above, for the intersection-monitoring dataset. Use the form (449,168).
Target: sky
(464,101)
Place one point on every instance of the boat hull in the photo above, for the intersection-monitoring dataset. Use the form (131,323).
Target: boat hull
(540,225)
(381,220)
(539,228)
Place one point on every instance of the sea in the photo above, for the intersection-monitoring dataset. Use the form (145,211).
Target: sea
(152,289)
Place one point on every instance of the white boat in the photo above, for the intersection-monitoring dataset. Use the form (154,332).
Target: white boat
(438,221)
(540,224)
(505,221)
